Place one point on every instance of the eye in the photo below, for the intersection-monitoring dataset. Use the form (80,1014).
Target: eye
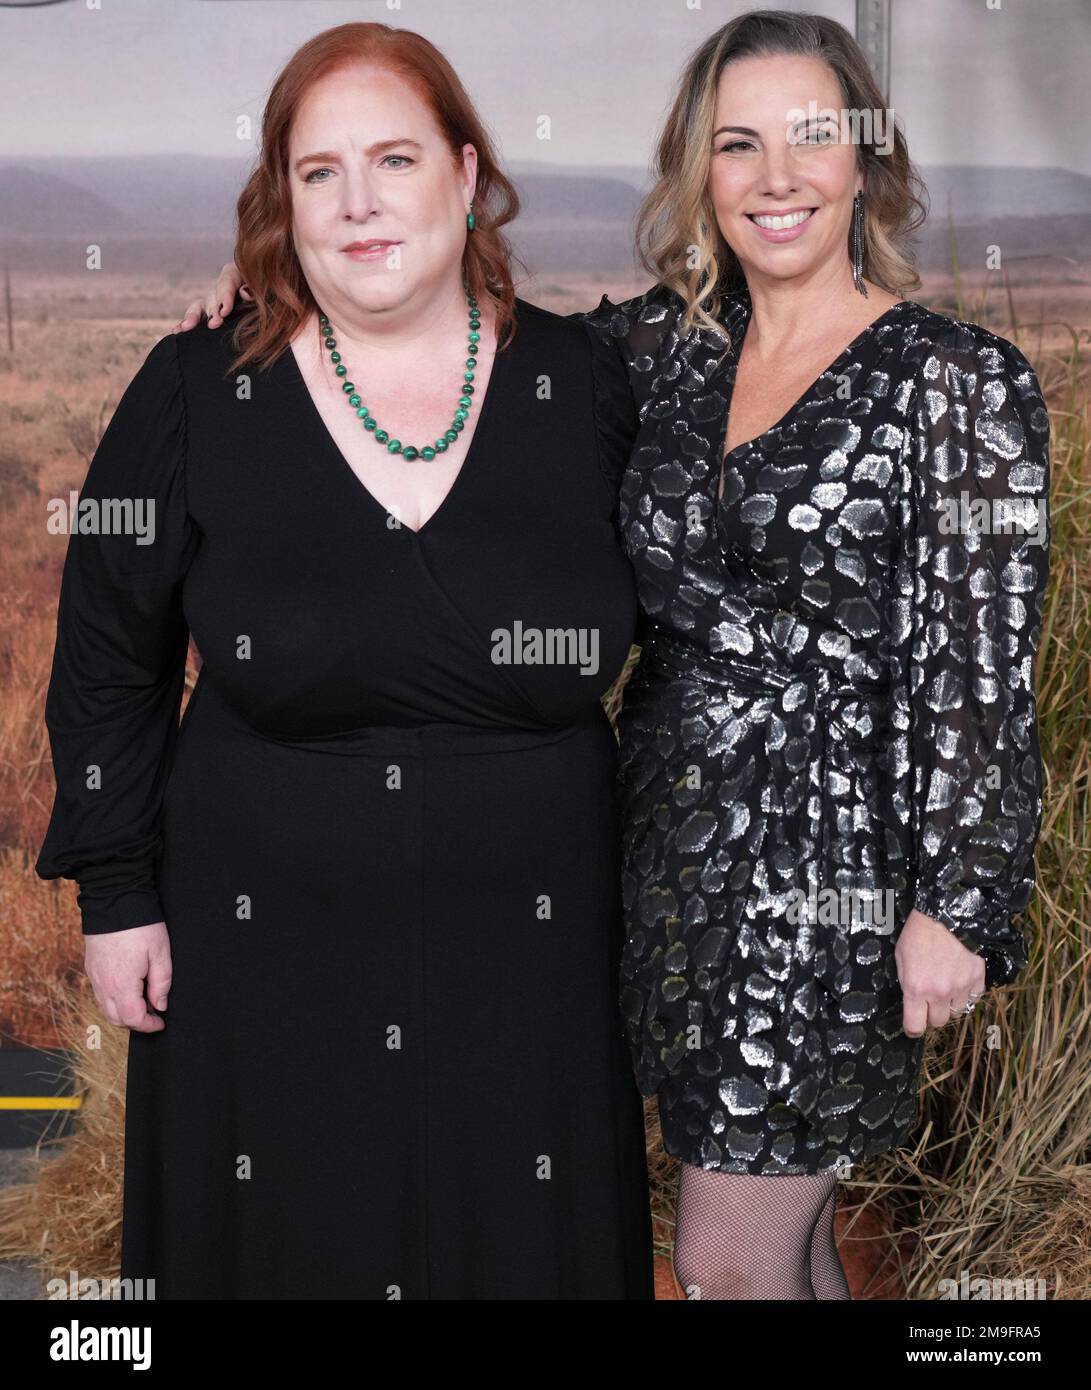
(733,145)
(403,157)
(813,135)
(310,178)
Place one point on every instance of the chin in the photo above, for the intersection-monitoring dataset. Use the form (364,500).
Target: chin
(376,292)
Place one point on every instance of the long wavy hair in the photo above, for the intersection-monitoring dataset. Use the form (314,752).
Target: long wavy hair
(264,249)
(678,239)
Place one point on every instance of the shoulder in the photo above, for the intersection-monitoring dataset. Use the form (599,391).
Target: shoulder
(205,354)
(545,325)
(973,384)
(957,354)
(160,370)
(658,307)
(153,394)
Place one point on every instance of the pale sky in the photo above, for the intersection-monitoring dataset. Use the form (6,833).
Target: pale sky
(974,81)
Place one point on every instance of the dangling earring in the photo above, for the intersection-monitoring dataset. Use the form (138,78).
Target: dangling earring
(858,243)
(470,221)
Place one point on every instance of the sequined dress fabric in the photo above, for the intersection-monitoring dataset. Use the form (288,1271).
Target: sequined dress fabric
(833,719)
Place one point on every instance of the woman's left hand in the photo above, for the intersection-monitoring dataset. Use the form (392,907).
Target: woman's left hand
(938,975)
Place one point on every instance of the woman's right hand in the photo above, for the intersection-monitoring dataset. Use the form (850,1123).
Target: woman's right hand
(117,964)
(218,302)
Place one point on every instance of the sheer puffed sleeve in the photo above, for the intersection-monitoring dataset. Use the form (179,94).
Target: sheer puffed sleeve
(119,659)
(627,347)
(980,555)
(616,420)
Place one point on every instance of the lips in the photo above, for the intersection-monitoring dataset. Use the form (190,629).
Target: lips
(372,244)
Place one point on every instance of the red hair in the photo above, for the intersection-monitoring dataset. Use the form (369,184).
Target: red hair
(264,250)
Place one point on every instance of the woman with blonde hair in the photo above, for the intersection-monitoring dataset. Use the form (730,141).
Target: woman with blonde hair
(375,868)
(836,507)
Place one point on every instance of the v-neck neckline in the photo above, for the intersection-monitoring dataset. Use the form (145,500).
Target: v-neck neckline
(335,449)
(731,363)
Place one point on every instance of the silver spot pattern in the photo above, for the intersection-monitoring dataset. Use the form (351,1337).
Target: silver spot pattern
(853,683)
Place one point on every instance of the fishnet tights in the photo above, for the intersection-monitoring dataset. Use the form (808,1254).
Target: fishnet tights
(744,1235)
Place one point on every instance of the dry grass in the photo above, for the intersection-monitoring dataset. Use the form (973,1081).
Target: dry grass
(67,1214)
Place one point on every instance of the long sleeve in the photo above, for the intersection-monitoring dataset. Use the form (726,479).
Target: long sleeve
(119,659)
(980,435)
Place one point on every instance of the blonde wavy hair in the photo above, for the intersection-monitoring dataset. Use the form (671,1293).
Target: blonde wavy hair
(678,239)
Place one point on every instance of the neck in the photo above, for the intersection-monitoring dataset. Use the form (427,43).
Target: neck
(403,328)
(783,309)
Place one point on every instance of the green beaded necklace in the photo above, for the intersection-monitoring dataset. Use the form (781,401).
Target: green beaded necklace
(465,400)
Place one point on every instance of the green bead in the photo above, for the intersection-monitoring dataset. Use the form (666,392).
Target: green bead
(395,446)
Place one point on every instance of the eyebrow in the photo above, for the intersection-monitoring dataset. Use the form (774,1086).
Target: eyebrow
(331,156)
(745,129)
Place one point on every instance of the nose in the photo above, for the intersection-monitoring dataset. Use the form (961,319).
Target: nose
(359,196)
(778,176)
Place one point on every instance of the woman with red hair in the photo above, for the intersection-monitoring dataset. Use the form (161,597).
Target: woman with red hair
(375,869)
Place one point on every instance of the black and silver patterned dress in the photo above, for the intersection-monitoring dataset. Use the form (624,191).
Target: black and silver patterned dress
(833,719)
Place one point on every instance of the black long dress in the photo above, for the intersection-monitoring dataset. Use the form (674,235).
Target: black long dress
(387,855)
(833,720)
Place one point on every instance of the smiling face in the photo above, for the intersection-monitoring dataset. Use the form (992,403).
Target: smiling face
(781,182)
(368,164)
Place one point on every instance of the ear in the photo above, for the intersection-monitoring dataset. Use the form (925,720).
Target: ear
(469,172)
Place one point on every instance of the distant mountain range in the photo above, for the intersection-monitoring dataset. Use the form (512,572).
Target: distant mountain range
(151,211)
